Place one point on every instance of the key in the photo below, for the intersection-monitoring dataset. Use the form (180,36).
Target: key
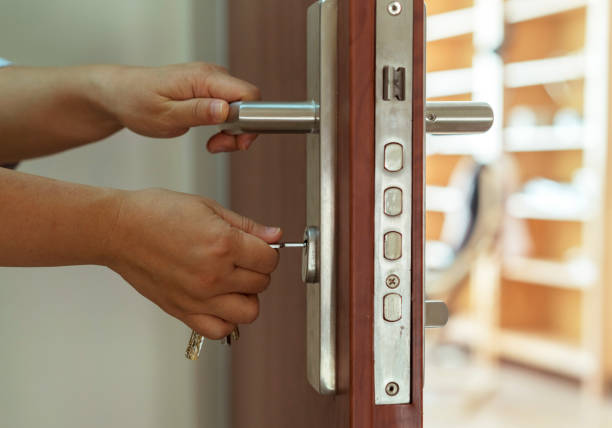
(196,341)
(232,337)
(194,346)
(288,245)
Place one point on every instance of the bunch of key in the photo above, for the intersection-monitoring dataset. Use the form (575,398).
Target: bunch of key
(196,341)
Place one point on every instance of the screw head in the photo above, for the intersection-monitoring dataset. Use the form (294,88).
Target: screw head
(392,389)
(392,281)
(394,8)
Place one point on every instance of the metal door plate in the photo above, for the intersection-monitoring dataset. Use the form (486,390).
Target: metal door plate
(321,195)
(392,230)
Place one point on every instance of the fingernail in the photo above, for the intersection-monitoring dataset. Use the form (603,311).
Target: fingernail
(272,230)
(217,110)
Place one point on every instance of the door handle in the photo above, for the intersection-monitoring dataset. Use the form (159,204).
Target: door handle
(316,118)
(441,118)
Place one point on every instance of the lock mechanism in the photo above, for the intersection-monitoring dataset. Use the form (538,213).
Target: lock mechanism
(317,117)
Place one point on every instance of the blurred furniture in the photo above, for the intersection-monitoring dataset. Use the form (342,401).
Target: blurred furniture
(543,65)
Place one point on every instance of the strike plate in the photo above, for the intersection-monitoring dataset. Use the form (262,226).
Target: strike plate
(321,195)
(393,202)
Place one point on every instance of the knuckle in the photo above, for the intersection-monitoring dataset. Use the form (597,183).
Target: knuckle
(247,224)
(224,243)
(207,280)
(199,110)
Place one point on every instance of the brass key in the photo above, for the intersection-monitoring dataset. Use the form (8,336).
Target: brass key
(196,341)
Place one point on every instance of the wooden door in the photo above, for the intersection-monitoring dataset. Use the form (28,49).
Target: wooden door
(267,44)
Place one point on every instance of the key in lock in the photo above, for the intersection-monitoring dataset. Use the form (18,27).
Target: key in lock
(310,274)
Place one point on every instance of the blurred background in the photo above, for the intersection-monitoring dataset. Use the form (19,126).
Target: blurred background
(518,225)
(519,219)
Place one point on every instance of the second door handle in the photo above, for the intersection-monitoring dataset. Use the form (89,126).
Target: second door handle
(258,117)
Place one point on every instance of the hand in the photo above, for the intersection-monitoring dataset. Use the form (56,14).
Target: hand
(199,262)
(164,102)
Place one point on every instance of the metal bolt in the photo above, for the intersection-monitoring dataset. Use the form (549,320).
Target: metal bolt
(394,8)
(392,281)
(392,389)
(430,117)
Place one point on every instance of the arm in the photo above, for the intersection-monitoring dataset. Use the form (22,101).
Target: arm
(199,262)
(47,110)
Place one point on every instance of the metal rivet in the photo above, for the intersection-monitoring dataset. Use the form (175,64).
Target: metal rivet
(392,389)
(392,281)
(395,8)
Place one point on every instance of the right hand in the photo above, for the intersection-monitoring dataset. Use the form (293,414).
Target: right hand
(196,260)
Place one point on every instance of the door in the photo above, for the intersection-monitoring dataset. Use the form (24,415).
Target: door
(267,44)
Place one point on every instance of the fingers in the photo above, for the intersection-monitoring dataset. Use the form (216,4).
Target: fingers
(246,281)
(220,84)
(234,308)
(197,112)
(223,142)
(265,233)
(209,326)
(251,253)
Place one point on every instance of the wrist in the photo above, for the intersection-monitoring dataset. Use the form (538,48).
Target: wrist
(97,84)
(107,251)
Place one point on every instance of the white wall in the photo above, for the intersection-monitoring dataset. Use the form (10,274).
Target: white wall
(78,346)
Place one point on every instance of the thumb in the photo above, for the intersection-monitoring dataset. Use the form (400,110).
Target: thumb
(268,234)
(198,111)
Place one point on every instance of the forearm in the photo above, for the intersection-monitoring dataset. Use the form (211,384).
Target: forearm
(47,110)
(45,222)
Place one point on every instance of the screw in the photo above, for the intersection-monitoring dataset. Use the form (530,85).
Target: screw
(394,8)
(392,281)
(392,389)
(430,117)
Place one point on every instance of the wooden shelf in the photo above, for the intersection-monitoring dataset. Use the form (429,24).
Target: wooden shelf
(518,207)
(543,352)
(517,75)
(543,138)
(525,10)
(449,82)
(550,273)
(544,71)
(532,349)
(468,145)
(450,24)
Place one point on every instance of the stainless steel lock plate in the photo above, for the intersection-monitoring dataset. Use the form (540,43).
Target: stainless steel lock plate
(321,198)
(393,202)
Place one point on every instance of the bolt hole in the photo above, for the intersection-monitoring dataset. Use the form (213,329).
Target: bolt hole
(395,8)
(392,389)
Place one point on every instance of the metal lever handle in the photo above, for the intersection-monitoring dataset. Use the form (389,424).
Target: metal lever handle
(258,117)
(272,117)
(458,117)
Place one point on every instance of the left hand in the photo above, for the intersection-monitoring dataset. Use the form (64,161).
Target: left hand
(164,102)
